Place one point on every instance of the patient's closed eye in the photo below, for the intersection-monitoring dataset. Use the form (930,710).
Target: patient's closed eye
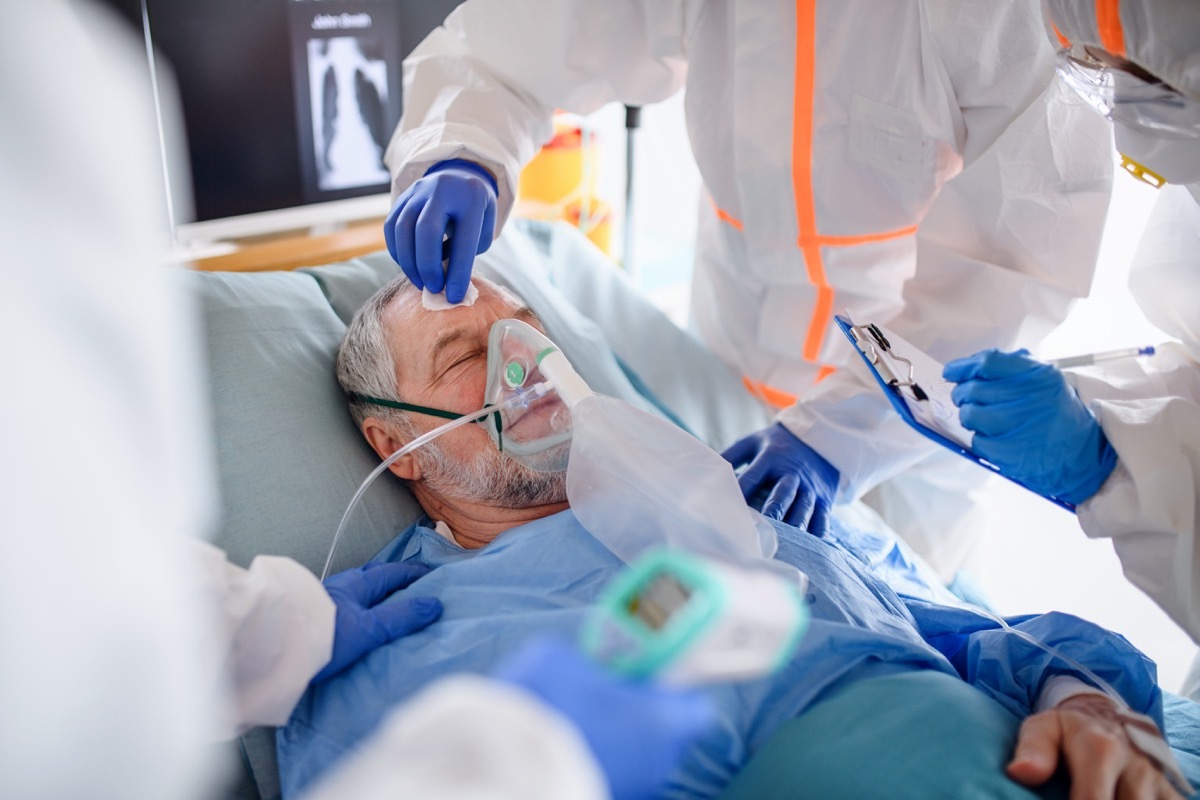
(462,361)
(469,357)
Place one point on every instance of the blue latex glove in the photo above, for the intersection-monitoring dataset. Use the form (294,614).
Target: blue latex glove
(1029,422)
(786,479)
(456,198)
(363,621)
(638,732)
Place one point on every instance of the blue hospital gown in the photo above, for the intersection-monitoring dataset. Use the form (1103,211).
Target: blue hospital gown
(539,579)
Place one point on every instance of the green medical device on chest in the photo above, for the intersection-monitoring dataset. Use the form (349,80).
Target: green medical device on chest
(688,620)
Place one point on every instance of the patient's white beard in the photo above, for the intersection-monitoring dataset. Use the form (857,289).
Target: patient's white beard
(490,477)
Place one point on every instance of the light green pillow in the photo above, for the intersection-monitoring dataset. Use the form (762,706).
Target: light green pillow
(288,455)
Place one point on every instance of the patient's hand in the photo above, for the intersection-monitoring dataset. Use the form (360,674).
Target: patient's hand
(1103,762)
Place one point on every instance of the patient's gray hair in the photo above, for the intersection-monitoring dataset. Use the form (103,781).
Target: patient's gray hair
(364,361)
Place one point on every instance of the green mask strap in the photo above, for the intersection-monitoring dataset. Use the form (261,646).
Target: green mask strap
(432,412)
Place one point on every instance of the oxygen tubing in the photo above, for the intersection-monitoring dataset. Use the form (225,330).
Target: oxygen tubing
(518,400)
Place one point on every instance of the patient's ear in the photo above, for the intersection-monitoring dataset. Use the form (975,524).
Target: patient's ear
(384,440)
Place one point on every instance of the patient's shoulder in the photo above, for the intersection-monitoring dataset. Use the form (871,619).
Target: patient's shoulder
(408,544)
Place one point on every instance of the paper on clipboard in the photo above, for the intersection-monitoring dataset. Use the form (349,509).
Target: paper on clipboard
(938,412)
(900,368)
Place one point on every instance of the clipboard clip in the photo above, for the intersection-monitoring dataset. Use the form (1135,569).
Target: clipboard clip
(871,341)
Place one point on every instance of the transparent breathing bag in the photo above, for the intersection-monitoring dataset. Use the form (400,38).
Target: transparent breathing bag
(638,482)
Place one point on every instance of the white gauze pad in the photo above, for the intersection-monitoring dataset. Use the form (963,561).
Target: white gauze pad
(438,302)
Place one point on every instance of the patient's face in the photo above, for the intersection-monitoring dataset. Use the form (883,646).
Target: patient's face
(441,359)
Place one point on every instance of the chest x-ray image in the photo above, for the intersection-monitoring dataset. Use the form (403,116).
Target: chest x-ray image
(348,84)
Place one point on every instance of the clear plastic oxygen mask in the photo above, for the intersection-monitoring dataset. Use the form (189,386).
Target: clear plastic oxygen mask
(531,427)
(523,412)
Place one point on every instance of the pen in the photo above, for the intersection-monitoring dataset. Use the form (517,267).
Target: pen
(1096,358)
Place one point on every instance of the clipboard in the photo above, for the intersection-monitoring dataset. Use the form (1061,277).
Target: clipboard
(913,384)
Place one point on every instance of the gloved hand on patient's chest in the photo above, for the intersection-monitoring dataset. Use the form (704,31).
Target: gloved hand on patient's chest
(364,621)
(785,479)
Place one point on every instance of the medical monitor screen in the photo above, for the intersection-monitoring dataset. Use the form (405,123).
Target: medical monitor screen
(286,102)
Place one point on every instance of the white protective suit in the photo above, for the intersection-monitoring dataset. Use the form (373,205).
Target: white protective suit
(1150,409)
(106,686)
(1150,412)
(914,162)
(121,630)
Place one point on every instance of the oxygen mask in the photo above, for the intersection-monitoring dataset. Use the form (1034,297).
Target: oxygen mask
(530,425)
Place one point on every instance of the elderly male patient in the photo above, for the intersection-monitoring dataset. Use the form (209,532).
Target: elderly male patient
(511,561)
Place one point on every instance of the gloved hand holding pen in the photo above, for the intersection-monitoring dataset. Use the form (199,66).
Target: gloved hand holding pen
(1029,422)
(455,199)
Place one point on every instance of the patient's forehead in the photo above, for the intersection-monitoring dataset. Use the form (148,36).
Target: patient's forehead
(406,309)
(414,328)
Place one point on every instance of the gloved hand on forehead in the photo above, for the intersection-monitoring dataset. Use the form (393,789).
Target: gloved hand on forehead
(785,479)
(1029,422)
(638,732)
(456,198)
(364,621)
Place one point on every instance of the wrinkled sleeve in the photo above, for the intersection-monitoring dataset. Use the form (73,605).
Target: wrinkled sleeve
(1150,412)
(484,85)
(276,623)
(1006,247)
(1011,668)
(1148,506)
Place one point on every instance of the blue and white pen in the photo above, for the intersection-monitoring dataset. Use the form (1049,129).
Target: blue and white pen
(1096,358)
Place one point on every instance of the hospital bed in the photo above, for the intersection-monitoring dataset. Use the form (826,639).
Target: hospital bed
(289,457)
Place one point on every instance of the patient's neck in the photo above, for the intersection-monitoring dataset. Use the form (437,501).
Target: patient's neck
(475,525)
